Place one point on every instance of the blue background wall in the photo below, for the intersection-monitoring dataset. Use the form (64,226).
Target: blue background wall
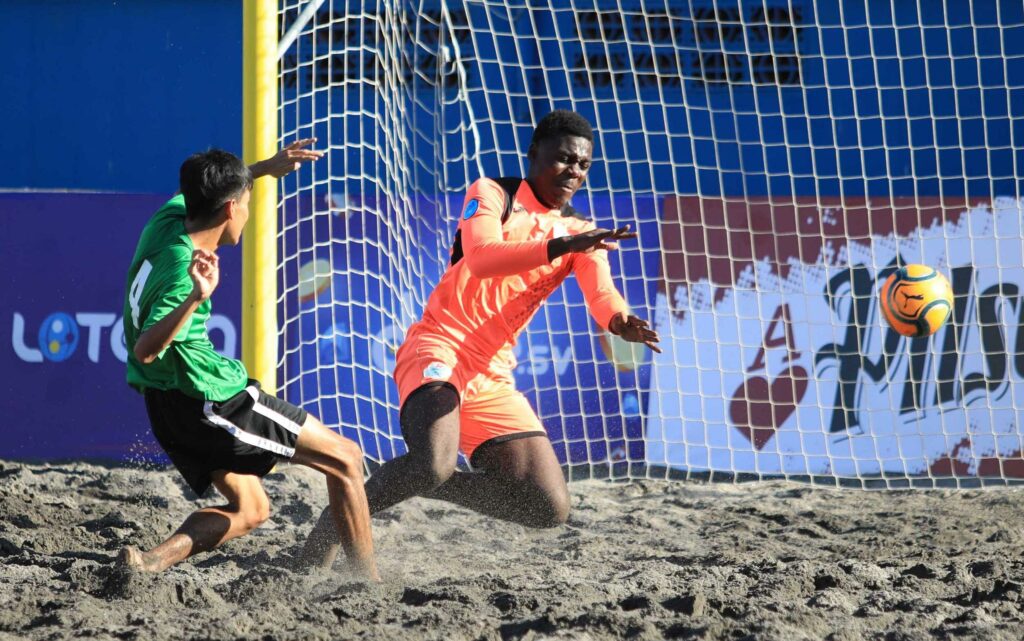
(113,95)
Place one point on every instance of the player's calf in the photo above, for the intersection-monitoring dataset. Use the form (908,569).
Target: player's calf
(340,460)
(247,508)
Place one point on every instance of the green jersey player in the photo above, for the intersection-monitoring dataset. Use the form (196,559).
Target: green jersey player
(215,423)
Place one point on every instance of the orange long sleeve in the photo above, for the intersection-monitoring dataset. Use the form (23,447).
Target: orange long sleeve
(486,252)
(487,298)
(594,275)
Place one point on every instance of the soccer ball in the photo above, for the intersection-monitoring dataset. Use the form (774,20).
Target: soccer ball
(916,300)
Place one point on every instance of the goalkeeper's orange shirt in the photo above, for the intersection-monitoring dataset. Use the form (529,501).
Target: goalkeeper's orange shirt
(485,300)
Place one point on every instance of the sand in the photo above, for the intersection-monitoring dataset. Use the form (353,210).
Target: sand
(638,560)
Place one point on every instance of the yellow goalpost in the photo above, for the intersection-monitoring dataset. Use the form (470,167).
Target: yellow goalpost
(259,141)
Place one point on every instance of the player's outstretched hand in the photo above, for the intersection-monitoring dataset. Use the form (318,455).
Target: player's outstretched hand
(288,159)
(588,241)
(205,273)
(635,330)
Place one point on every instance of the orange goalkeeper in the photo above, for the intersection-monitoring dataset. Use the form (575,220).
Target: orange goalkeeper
(516,242)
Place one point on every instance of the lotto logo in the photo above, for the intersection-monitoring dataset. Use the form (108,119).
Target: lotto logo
(58,336)
(60,333)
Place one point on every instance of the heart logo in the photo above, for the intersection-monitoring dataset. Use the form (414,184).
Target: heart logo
(758,409)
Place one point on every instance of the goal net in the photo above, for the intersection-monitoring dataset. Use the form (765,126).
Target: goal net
(778,158)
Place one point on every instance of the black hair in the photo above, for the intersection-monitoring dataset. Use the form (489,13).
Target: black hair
(560,123)
(211,178)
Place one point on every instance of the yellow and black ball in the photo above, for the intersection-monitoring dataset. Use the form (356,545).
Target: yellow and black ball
(916,300)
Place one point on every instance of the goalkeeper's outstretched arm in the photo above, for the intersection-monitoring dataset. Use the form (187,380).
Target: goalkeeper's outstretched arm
(606,305)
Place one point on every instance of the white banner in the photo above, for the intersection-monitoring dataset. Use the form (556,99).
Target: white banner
(776,358)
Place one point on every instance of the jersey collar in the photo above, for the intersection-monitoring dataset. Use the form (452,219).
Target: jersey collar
(528,200)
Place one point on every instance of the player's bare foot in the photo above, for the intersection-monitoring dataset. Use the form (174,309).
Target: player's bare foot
(132,559)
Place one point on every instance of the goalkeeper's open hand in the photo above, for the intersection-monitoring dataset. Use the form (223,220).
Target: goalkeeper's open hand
(287,160)
(634,330)
(588,241)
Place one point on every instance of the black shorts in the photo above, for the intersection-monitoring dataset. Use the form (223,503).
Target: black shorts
(248,433)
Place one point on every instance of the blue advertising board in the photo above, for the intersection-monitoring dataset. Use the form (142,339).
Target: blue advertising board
(63,360)
(65,257)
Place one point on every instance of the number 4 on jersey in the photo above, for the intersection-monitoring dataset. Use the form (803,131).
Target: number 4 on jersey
(135,293)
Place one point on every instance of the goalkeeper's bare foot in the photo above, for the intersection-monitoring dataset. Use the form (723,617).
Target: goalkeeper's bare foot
(130,558)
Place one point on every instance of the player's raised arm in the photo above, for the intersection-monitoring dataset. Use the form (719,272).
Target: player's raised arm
(488,255)
(287,160)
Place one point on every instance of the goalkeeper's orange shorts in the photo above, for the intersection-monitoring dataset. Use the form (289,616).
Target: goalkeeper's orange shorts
(491,407)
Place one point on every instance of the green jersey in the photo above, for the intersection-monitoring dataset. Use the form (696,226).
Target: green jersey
(158,282)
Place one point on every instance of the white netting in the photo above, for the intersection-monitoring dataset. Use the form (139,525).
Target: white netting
(777,158)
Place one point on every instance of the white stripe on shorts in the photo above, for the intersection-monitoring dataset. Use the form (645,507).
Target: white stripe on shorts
(272,414)
(246,437)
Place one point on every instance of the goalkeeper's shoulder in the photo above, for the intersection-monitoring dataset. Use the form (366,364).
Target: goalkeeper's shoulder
(489,196)
(485,188)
